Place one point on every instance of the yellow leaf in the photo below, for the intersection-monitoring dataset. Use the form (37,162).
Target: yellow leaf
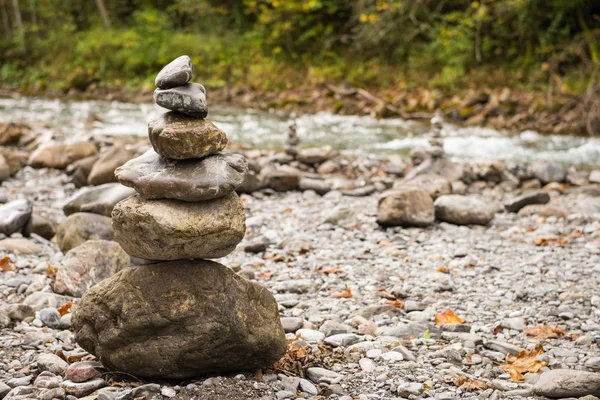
(525,361)
(542,332)
(346,294)
(448,317)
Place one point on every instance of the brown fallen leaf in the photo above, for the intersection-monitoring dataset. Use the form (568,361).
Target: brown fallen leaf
(469,384)
(448,317)
(396,303)
(65,308)
(328,270)
(6,265)
(386,294)
(498,329)
(525,361)
(346,294)
(542,332)
(265,275)
(51,271)
(443,270)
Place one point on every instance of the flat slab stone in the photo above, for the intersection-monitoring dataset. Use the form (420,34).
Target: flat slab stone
(97,200)
(189,99)
(156,177)
(180,137)
(463,210)
(179,320)
(176,73)
(537,197)
(23,246)
(173,230)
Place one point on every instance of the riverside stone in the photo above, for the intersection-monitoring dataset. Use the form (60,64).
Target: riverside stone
(80,227)
(80,170)
(407,207)
(434,185)
(181,137)
(538,197)
(60,155)
(173,229)
(4,168)
(110,159)
(188,99)
(155,177)
(548,171)
(23,246)
(40,225)
(543,211)
(197,316)
(463,210)
(176,73)
(89,264)
(567,383)
(51,363)
(14,216)
(97,200)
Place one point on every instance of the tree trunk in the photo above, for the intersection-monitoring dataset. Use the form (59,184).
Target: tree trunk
(103,13)
(5,21)
(33,13)
(17,9)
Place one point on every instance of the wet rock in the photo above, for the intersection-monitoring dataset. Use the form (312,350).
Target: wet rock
(14,216)
(548,171)
(155,177)
(463,210)
(174,230)
(41,226)
(51,363)
(23,246)
(281,179)
(89,264)
(406,207)
(515,204)
(176,73)
(40,300)
(60,155)
(81,227)
(80,170)
(205,309)
(314,155)
(110,159)
(83,371)
(567,383)
(434,185)
(97,200)
(543,211)
(181,137)
(188,99)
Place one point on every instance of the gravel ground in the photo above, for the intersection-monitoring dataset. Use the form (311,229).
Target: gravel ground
(359,302)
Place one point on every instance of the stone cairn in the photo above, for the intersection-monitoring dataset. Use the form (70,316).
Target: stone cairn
(178,315)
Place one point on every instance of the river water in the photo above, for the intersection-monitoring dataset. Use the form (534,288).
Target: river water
(258,129)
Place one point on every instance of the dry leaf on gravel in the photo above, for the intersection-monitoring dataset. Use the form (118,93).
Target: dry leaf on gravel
(328,270)
(6,265)
(443,270)
(346,294)
(386,294)
(65,308)
(51,271)
(542,332)
(469,384)
(525,361)
(396,303)
(448,317)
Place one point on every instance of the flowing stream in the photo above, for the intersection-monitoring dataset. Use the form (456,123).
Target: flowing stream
(258,129)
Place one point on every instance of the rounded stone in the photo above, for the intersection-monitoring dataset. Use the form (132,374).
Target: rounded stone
(156,177)
(463,210)
(176,73)
(175,230)
(407,207)
(181,137)
(82,226)
(179,320)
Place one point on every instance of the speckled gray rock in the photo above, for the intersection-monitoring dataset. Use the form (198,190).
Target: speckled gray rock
(155,177)
(181,137)
(463,210)
(176,73)
(405,207)
(80,227)
(197,316)
(88,264)
(567,383)
(537,197)
(189,99)
(97,200)
(51,363)
(548,171)
(175,230)
(14,215)
(50,317)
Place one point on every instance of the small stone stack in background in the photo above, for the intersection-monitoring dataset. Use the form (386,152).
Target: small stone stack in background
(182,315)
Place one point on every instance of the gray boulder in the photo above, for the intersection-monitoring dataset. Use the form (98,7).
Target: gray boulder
(81,227)
(181,137)
(176,73)
(560,383)
(463,210)
(97,200)
(88,264)
(407,207)
(188,99)
(175,230)
(197,317)
(155,177)
(14,216)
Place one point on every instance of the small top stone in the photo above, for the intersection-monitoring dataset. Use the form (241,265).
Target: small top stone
(177,73)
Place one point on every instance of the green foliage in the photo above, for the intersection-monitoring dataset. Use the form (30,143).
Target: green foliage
(275,44)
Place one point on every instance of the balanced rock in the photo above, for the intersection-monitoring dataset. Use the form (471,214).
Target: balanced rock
(463,210)
(197,317)
(60,155)
(97,200)
(110,159)
(406,207)
(537,197)
(88,264)
(14,216)
(177,73)
(189,99)
(180,137)
(81,227)
(174,230)
(156,177)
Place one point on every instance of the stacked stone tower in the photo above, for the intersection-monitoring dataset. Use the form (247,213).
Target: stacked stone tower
(179,315)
